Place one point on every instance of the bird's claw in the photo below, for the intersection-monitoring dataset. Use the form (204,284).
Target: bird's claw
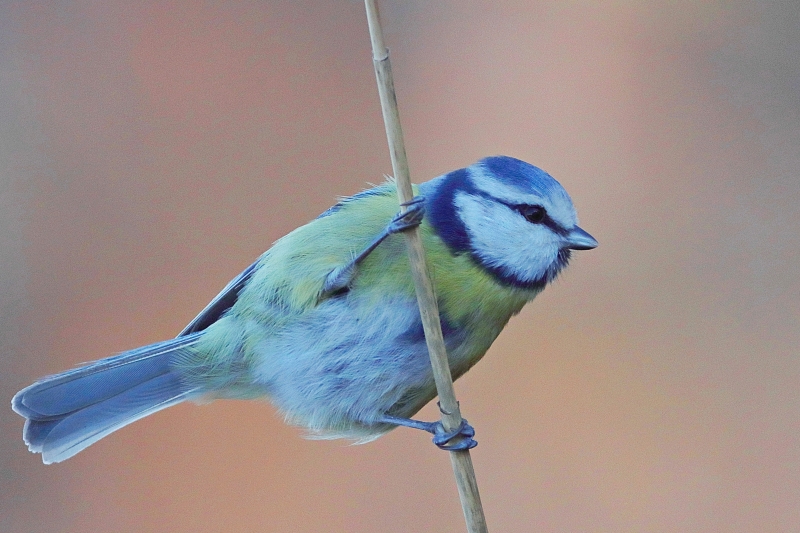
(464,432)
(419,199)
(410,218)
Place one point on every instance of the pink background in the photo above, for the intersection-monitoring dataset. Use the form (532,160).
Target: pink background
(148,153)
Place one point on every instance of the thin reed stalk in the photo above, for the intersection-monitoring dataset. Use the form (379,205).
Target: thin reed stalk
(428,306)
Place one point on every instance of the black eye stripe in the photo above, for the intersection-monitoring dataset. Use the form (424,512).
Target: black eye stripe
(443,214)
(554,226)
(537,214)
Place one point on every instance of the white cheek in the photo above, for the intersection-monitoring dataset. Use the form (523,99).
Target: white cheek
(505,240)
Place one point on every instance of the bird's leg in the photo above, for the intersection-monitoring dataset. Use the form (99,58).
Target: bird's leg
(339,278)
(441,437)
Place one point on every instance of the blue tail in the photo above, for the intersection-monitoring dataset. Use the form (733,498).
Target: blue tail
(67,412)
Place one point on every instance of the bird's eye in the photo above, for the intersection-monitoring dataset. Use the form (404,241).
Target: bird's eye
(533,213)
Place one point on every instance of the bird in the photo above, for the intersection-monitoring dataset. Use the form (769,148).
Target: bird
(325,323)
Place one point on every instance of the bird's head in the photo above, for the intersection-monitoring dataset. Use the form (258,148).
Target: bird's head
(513,218)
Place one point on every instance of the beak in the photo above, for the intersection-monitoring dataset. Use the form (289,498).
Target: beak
(577,239)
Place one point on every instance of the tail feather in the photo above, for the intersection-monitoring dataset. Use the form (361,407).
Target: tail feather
(83,428)
(70,411)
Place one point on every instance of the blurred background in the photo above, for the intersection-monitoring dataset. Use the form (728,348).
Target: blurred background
(150,152)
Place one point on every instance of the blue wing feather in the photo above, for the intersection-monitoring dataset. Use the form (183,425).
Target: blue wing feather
(221,302)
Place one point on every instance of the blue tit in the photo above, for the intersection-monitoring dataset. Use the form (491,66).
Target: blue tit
(325,323)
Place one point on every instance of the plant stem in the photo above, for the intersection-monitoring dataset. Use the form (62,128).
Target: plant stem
(428,306)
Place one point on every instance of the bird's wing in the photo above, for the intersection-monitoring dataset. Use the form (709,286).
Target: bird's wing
(221,303)
(291,275)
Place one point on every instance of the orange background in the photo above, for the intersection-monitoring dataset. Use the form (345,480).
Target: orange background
(148,153)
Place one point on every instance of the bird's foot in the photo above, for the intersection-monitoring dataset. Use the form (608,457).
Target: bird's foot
(462,435)
(410,218)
